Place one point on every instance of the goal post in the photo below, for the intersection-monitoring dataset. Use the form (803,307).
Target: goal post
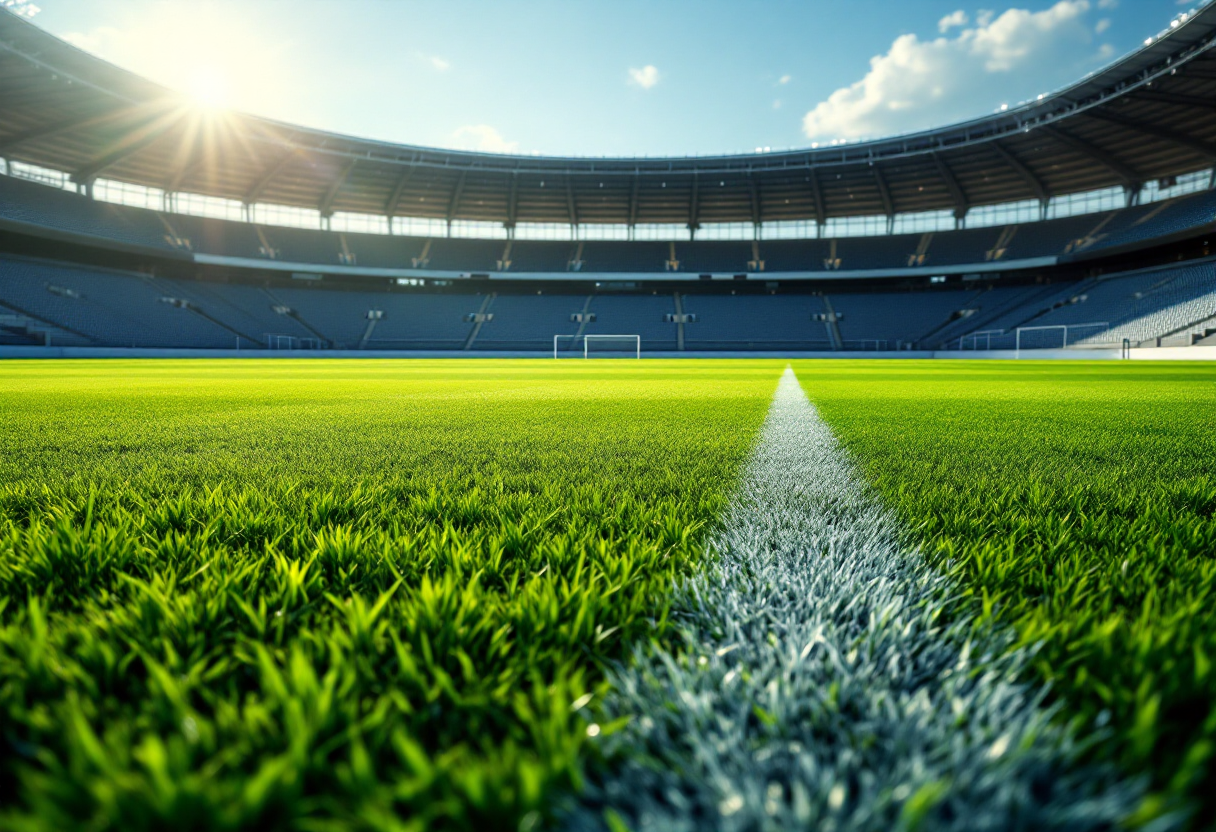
(558,338)
(623,343)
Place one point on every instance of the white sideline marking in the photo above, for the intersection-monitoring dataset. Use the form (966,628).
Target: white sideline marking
(820,686)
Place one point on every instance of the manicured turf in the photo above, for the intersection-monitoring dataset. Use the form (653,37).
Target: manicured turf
(334,594)
(382,595)
(1076,502)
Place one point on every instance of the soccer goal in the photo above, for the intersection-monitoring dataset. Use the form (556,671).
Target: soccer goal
(600,346)
(1056,336)
(612,346)
(615,346)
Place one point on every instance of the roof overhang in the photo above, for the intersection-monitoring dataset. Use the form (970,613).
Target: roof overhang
(1149,115)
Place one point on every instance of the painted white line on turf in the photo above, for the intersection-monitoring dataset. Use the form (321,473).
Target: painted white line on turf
(823,685)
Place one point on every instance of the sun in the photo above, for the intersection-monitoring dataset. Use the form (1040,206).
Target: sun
(208,86)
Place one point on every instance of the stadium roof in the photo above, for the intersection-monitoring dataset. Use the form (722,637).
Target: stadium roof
(1148,116)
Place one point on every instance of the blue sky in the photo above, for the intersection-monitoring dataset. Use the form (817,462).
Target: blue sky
(611,78)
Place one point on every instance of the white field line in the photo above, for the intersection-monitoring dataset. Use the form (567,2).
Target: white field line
(824,685)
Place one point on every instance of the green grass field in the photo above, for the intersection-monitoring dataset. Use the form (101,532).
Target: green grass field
(383,594)
(1076,502)
(334,594)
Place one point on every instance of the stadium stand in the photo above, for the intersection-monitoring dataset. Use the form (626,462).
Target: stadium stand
(383,251)
(465,255)
(529,322)
(755,322)
(76,270)
(978,245)
(107,308)
(534,256)
(51,208)
(225,239)
(249,309)
(796,255)
(56,210)
(1050,237)
(894,319)
(635,315)
(871,253)
(1161,220)
(984,309)
(625,257)
(1141,307)
(422,321)
(725,257)
(74,305)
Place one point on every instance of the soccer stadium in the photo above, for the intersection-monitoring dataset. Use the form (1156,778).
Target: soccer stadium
(356,485)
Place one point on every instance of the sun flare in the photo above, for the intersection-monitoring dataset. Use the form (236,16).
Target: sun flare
(209,88)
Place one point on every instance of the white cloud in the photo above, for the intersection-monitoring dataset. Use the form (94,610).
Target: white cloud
(646,77)
(784,79)
(1114,4)
(954,20)
(21,8)
(1103,25)
(438,63)
(777,104)
(482,137)
(918,83)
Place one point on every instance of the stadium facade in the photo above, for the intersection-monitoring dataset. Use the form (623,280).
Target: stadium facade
(130,218)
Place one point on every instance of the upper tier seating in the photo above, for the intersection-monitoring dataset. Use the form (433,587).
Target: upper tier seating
(52,208)
(710,256)
(537,256)
(36,204)
(625,257)
(795,255)
(223,239)
(1162,219)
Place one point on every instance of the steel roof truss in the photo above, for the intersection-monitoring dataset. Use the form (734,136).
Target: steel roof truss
(955,190)
(513,201)
(457,193)
(1126,176)
(884,193)
(327,202)
(390,207)
(131,144)
(1205,149)
(1019,167)
(263,182)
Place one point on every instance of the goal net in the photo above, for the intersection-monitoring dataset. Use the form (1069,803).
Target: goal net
(599,346)
(1057,336)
